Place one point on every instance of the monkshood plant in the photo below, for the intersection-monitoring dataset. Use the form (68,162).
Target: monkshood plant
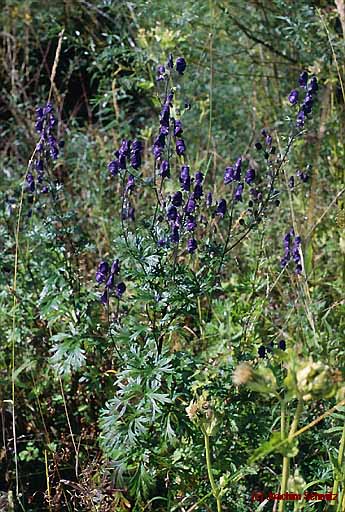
(173,254)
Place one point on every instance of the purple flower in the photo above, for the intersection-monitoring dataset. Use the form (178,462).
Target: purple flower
(175,235)
(303,79)
(180,147)
(282,345)
(190,206)
(313,85)
(268,140)
(130,183)
(110,282)
(237,169)
(180,65)
(136,159)
(262,351)
(229,175)
(238,192)
(113,167)
(291,182)
(177,128)
(177,198)
(103,267)
(209,199)
(258,146)
(165,115)
(250,176)
(172,213)
(191,223)
(125,147)
(199,177)
(185,178)
(198,191)
(192,245)
(115,267)
(293,97)
(221,208)
(104,297)
(298,269)
(120,290)
(300,119)
(165,169)
(160,73)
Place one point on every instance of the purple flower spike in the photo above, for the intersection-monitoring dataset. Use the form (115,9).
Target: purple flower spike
(191,223)
(113,168)
(175,235)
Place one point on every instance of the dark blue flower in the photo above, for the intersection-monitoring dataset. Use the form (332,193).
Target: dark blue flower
(282,345)
(293,97)
(191,223)
(221,208)
(160,73)
(180,147)
(199,177)
(125,147)
(229,175)
(238,192)
(115,267)
(291,182)
(303,79)
(190,206)
(300,119)
(192,245)
(177,128)
(262,351)
(113,167)
(104,297)
(237,169)
(175,235)
(177,198)
(120,289)
(209,199)
(313,85)
(198,191)
(165,169)
(250,176)
(258,146)
(268,140)
(130,183)
(172,213)
(180,65)
(110,282)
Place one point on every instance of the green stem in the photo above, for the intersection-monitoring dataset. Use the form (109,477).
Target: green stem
(286,460)
(215,490)
(340,464)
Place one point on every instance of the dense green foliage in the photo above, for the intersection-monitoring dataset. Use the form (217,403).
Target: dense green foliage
(159,400)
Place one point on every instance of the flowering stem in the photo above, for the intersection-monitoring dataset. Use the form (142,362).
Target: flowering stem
(215,490)
(286,460)
(340,465)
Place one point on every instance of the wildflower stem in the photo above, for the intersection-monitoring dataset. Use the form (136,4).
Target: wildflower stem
(340,464)
(215,490)
(286,460)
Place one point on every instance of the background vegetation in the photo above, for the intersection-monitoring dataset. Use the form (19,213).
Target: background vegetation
(93,417)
